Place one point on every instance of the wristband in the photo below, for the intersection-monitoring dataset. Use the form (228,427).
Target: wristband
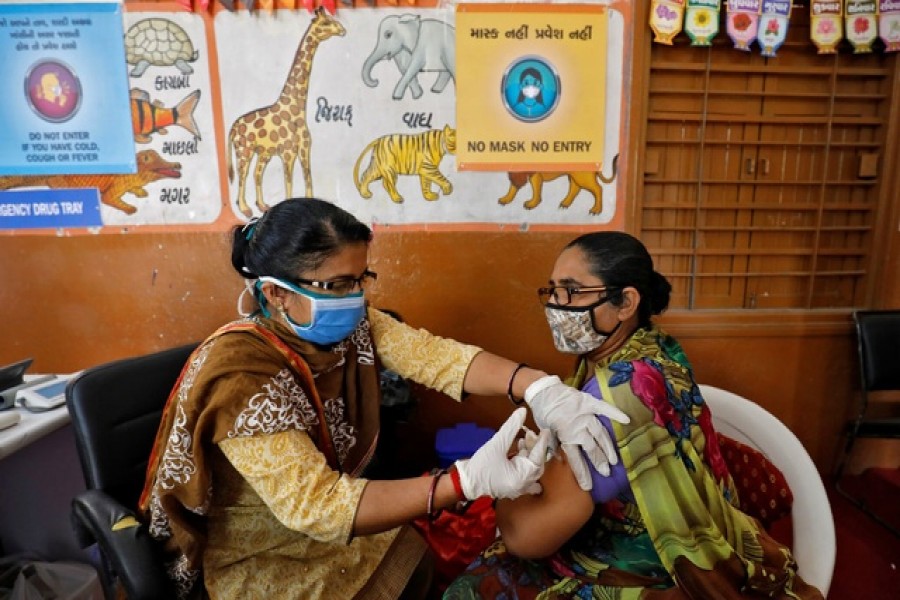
(509,387)
(430,504)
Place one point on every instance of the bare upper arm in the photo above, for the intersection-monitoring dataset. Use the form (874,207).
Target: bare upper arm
(536,526)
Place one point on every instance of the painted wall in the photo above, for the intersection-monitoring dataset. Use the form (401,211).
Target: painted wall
(72,302)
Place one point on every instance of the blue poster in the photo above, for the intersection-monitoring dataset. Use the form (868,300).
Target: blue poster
(65,107)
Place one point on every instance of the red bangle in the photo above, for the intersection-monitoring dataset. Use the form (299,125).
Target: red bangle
(457,484)
(430,505)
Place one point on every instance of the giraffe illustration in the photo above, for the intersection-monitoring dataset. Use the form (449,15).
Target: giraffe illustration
(280,128)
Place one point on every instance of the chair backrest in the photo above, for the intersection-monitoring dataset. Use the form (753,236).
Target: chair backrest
(813,524)
(116,409)
(878,336)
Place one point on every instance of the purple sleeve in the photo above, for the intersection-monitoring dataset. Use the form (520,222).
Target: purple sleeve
(603,488)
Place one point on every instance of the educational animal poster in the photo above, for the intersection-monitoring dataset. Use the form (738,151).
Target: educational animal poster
(360,108)
(234,111)
(172,120)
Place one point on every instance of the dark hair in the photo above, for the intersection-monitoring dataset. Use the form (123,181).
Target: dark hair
(535,74)
(621,261)
(294,236)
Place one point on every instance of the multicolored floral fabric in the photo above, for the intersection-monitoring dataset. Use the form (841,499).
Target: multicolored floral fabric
(683,535)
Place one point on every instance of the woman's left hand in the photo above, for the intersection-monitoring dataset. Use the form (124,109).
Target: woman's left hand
(572,414)
(491,472)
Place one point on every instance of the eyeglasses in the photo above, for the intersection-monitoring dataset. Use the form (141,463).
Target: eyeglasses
(563,294)
(342,285)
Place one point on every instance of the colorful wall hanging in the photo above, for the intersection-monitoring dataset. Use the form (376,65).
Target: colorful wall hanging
(666,19)
(889,24)
(826,24)
(773,25)
(742,22)
(861,24)
(701,21)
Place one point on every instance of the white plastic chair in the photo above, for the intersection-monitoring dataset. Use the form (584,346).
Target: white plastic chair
(814,540)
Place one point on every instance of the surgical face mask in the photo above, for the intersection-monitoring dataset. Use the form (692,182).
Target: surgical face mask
(531,91)
(573,328)
(333,318)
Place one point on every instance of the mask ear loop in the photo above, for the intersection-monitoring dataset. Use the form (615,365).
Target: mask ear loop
(248,289)
(252,288)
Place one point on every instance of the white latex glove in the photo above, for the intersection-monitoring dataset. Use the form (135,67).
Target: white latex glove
(490,472)
(572,415)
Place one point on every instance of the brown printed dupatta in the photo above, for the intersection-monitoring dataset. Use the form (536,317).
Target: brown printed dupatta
(254,377)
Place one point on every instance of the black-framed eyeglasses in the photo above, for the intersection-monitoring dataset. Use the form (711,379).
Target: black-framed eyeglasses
(341,286)
(563,294)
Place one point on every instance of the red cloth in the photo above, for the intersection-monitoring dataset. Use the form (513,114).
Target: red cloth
(763,491)
(458,538)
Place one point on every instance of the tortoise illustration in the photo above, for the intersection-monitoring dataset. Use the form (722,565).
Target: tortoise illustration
(158,42)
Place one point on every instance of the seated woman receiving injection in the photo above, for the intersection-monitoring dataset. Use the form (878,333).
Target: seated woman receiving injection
(254,484)
(665,524)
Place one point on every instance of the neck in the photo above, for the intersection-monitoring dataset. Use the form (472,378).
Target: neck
(622,333)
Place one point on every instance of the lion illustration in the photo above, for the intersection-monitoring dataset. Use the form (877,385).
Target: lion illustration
(578,180)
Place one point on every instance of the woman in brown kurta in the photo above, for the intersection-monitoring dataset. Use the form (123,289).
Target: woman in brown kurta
(254,482)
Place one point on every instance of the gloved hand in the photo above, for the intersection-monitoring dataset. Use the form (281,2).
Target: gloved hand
(490,472)
(572,415)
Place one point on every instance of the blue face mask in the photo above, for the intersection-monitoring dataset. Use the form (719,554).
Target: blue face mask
(333,318)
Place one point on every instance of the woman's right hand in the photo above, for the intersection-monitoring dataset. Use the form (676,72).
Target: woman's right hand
(492,472)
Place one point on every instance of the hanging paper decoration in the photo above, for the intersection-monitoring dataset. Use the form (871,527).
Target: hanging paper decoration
(742,22)
(773,24)
(889,24)
(826,24)
(666,17)
(701,21)
(861,23)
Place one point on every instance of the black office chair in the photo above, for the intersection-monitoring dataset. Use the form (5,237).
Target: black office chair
(116,409)
(878,341)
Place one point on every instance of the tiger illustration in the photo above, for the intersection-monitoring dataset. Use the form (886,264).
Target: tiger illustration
(407,154)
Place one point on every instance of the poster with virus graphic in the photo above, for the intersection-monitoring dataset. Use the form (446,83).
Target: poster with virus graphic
(64,108)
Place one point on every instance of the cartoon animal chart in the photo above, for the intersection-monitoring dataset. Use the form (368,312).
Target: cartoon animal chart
(359,108)
(172,120)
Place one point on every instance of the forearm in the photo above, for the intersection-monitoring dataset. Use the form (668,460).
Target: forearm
(388,504)
(489,375)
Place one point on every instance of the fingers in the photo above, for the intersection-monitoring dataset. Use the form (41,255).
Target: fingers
(579,466)
(538,454)
(600,407)
(601,436)
(598,459)
(508,431)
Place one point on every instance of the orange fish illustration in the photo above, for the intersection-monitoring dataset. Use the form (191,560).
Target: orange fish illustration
(149,117)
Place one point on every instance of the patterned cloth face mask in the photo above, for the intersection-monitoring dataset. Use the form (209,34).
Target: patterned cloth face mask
(333,318)
(573,328)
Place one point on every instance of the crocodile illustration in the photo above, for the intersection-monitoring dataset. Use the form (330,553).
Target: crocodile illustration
(151,167)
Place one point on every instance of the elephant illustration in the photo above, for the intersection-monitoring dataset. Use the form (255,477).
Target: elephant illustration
(416,45)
